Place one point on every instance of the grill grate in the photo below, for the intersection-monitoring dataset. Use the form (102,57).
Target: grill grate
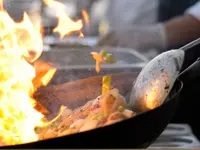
(177,136)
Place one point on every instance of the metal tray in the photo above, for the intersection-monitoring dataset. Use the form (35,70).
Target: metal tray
(70,41)
(77,63)
(81,58)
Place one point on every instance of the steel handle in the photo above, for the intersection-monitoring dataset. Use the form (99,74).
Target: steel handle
(191,73)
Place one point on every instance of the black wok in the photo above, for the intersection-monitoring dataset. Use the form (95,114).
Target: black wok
(137,132)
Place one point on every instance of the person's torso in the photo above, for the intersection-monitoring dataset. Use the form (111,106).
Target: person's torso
(130,12)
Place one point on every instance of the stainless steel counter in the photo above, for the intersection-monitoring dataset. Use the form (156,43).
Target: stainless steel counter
(177,136)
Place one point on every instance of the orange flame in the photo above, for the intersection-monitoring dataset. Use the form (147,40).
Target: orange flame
(36,20)
(81,35)
(20,43)
(86,17)
(44,73)
(23,36)
(18,118)
(65,25)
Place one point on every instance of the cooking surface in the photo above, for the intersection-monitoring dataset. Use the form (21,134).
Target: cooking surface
(176,136)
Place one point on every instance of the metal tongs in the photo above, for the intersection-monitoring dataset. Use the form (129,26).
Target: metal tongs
(156,80)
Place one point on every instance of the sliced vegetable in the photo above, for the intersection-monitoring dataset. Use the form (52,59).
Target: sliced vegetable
(120,108)
(106,84)
(97,56)
(96,111)
(66,113)
(126,106)
(128,113)
(89,125)
(109,58)
(99,59)
(120,101)
(102,122)
(98,116)
(102,57)
(77,124)
(66,132)
(94,117)
(106,103)
(103,53)
(115,116)
(110,122)
(50,134)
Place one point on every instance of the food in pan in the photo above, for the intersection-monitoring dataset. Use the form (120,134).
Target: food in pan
(106,109)
(110,107)
(102,57)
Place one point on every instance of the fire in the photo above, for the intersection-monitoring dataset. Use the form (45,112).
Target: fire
(21,44)
(151,97)
(44,73)
(81,35)
(18,118)
(65,24)
(86,17)
(23,37)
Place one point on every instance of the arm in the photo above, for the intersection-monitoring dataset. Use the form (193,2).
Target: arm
(182,29)
(161,36)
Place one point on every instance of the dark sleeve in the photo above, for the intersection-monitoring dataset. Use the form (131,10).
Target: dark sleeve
(169,9)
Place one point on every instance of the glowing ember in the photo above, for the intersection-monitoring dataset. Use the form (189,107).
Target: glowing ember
(152,96)
(65,24)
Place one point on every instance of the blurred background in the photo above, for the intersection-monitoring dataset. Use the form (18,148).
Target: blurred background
(102,13)
(143,16)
